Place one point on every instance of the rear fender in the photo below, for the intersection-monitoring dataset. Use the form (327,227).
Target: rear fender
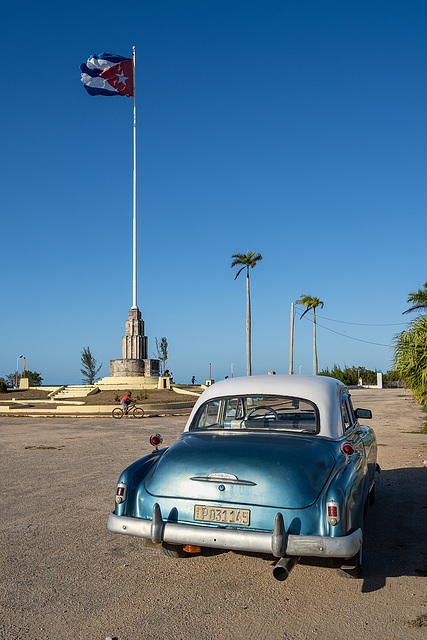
(349,487)
(132,477)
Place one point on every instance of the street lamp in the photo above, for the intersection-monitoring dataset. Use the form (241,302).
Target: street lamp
(300,368)
(17,360)
(232,365)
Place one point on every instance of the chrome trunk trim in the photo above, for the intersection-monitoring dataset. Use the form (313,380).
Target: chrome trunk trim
(223,480)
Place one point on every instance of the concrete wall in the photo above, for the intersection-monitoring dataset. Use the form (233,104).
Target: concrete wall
(147,367)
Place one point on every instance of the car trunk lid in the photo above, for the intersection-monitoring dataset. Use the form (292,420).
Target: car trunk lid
(265,469)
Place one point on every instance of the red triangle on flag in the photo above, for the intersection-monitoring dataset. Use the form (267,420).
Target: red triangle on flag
(120,76)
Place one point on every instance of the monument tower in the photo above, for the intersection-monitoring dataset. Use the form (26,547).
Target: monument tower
(134,360)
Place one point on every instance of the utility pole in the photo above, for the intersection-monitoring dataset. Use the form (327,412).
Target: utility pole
(291,346)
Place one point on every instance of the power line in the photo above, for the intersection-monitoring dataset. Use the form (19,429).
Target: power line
(377,344)
(361,324)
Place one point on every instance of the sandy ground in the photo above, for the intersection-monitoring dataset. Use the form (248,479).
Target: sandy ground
(64,576)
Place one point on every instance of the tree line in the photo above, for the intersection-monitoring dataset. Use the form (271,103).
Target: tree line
(410,347)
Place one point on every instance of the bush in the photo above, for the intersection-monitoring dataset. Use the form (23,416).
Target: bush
(3,386)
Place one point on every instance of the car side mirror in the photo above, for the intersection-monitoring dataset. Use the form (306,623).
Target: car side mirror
(366,414)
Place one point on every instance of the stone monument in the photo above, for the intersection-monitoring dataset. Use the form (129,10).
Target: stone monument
(134,369)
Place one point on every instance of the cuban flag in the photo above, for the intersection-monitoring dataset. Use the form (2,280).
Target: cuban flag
(108,75)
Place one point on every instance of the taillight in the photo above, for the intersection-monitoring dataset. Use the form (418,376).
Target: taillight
(347,449)
(121,492)
(333,509)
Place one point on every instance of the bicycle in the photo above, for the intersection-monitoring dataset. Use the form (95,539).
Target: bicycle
(136,412)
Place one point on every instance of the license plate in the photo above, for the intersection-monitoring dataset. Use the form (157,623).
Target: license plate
(222,515)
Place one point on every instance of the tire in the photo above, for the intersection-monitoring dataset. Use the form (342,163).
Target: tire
(138,412)
(352,567)
(173,550)
(117,412)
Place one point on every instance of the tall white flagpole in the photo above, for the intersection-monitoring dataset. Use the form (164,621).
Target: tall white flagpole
(134,304)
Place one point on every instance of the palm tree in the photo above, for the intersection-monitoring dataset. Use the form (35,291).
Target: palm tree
(248,261)
(312,303)
(420,299)
(410,357)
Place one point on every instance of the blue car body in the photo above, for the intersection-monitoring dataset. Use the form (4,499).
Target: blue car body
(269,464)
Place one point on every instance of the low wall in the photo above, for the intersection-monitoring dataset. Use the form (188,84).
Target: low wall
(111,383)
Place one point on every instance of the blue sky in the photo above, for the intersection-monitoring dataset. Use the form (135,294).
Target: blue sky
(293,128)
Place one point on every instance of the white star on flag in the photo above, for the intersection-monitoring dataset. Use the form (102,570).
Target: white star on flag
(121,76)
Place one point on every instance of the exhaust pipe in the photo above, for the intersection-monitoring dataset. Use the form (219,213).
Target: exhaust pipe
(284,566)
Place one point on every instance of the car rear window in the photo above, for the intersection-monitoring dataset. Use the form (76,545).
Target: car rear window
(272,413)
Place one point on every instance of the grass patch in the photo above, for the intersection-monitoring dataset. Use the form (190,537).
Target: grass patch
(421,621)
(140,396)
(424,427)
(26,394)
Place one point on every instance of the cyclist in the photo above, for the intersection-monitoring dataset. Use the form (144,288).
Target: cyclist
(125,402)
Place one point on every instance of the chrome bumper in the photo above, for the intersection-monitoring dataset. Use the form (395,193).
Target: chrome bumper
(277,542)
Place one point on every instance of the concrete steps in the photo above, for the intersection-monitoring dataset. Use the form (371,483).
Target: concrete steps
(75,391)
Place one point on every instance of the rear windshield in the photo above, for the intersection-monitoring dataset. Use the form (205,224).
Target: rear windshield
(273,413)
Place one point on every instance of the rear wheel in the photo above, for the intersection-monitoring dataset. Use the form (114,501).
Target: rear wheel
(352,567)
(173,550)
(138,412)
(117,412)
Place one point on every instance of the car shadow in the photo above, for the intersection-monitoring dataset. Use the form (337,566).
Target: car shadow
(394,532)
(395,528)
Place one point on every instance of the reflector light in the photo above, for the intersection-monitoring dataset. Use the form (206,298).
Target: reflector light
(347,449)
(191,548)
(332,511)
(120,491)
(156,439)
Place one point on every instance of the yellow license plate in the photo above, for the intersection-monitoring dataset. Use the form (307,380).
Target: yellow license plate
(222,515)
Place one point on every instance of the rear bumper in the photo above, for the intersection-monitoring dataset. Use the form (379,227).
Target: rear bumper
(277,542)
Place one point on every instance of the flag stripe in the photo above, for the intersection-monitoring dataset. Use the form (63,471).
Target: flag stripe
(99,83)
(93,73)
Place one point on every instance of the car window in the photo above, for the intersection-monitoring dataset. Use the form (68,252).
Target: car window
(209,416)
(347,411)
(351,410)
(272,413)
(345,416)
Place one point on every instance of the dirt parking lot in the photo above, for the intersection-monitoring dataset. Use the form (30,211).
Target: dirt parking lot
(64,576)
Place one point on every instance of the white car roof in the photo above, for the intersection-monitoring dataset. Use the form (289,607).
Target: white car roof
(324,392)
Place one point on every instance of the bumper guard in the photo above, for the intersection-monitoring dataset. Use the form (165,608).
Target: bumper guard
(277,542)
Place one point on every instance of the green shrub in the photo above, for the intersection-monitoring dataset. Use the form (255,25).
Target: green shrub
(3,386)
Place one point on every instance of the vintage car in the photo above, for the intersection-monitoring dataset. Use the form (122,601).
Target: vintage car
(273,464)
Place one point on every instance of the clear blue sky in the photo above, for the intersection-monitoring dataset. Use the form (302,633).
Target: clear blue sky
(295,128)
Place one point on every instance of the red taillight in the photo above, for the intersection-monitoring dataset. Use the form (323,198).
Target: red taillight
(156,439)
(347,449)
(121,493)
(333,509)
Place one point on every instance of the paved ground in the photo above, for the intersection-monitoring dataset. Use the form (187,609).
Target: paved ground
(64,576)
